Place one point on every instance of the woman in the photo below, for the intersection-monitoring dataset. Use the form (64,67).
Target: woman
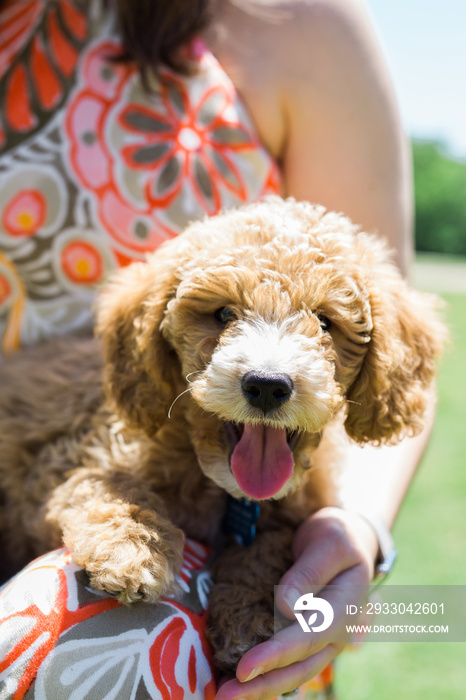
(101,162)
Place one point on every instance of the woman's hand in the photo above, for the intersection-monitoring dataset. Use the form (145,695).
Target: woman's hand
(332,547)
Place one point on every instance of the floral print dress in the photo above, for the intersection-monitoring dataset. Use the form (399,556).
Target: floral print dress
(96,171)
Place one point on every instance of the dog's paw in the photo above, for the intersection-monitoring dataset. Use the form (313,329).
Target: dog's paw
(239,618)
(132,559)
(132,573)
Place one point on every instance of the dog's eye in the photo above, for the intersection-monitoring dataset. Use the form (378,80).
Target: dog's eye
(224,315)
(325,322)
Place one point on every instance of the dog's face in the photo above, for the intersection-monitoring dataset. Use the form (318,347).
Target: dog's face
(269,338)
(271,319)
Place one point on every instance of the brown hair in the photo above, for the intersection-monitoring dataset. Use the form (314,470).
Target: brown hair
(154,31)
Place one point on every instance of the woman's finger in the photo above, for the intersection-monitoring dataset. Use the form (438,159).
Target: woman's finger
(332,547)
(328,543)
(279,681)
(292,644)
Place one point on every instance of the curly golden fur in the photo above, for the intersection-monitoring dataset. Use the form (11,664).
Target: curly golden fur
(233,358)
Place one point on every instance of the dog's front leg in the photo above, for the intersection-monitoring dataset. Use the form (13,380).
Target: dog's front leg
(118,531)
(241,603)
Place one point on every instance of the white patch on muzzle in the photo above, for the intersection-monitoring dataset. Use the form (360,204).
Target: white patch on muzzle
(260,346)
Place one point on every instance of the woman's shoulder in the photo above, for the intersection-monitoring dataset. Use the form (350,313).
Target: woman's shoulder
(273,48)
(314,79)
(285,30)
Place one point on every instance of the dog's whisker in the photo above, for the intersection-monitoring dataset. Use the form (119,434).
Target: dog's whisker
(356,403)
(183,392)
(196,371)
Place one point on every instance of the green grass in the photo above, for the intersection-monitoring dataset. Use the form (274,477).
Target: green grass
(430,535)
(440,258)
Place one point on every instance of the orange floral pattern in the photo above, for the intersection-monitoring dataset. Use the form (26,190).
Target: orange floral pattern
(151,163)
(24,213)
(94,170)
(39,49)
(60,638)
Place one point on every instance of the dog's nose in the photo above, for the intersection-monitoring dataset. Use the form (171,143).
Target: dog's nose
(266,390)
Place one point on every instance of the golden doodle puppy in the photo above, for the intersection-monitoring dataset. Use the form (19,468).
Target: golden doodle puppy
(233,358)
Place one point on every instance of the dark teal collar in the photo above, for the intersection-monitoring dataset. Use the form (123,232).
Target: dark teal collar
(240,520)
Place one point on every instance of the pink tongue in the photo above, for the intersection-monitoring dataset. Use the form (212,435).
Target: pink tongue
(262,461)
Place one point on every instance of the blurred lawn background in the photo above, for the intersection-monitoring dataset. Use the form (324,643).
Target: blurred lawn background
(430,531)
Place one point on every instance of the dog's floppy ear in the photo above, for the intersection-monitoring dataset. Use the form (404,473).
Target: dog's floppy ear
(389,397)
(140,367)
